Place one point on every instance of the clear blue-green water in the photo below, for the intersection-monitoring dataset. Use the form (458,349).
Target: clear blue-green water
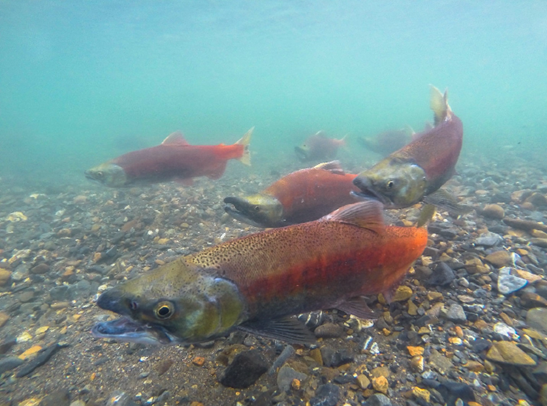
(82,82)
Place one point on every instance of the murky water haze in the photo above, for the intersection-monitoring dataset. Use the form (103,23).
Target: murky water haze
(82,83)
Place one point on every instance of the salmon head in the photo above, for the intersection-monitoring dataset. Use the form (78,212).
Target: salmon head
(395,182)
(108,174)
(260,210)
(172,304)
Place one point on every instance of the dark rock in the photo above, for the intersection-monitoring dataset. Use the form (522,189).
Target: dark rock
(97,269)
(442,275)
(9,363)
(481,345)
(244,370)
(489,239)
(378,400)
(328,330)
(333,358)
(40,269)
(326,395)
(26,296)
(39,360)
(452,391)
(6,344)
(59,292)
(285,377)
(343,379)
(431,252)
(456,314)
(56,398)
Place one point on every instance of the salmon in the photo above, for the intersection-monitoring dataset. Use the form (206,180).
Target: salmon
(421,167)
(173,159)
(255,283)
(319,146)
(301,196)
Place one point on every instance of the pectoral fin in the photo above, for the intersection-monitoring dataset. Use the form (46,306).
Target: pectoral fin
(286,329)
(446,201)
(358,307)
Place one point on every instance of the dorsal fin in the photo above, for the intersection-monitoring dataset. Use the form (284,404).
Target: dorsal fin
(332,166)
(439,105)
(175,138)
(366,214)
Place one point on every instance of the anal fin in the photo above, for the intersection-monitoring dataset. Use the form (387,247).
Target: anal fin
(358,307)
(185,181)
(287,329)
(217,172)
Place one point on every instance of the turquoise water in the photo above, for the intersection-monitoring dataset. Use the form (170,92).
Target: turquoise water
(82,82)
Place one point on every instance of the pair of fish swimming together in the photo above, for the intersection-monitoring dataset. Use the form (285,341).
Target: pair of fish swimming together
(255,283)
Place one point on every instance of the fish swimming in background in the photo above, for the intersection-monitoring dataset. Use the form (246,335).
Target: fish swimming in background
(254,283)
(318,146)
(417,170)
(301,196)
(173,159)
(388,141)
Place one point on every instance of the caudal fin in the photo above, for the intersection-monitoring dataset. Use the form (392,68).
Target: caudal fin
(245,141)
(439,105)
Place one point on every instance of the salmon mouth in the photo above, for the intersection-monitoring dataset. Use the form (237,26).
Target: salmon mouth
(127,329)
(301,153)
(238,209)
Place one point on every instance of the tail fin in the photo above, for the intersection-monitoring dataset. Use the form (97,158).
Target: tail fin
(245,141)
(439,105)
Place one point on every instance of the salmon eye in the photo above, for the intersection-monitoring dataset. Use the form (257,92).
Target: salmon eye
(164,310)
(390,184)
(257,208)
(133,305)
(100,174)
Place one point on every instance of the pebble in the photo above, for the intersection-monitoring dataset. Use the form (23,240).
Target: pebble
(456,314)
(56,398)
(9,363)
(504,329)
(329,330)
(489,239)
(500,258)
(5,276)
(39,360)
(414,351)
(378,400)
(537,319)
(506,352)
(442,275)
(245,369)
(285,377)
(40,269)
(380,384)
(452,391)
(530,277)
(417,363)
(494,211)
(363,381)
(4,317)
(402,294)
(334,358)
(422,394)
(440,362)
(508,283)
(326,395)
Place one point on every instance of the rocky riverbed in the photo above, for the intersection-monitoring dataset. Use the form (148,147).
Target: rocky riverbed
(467,327)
